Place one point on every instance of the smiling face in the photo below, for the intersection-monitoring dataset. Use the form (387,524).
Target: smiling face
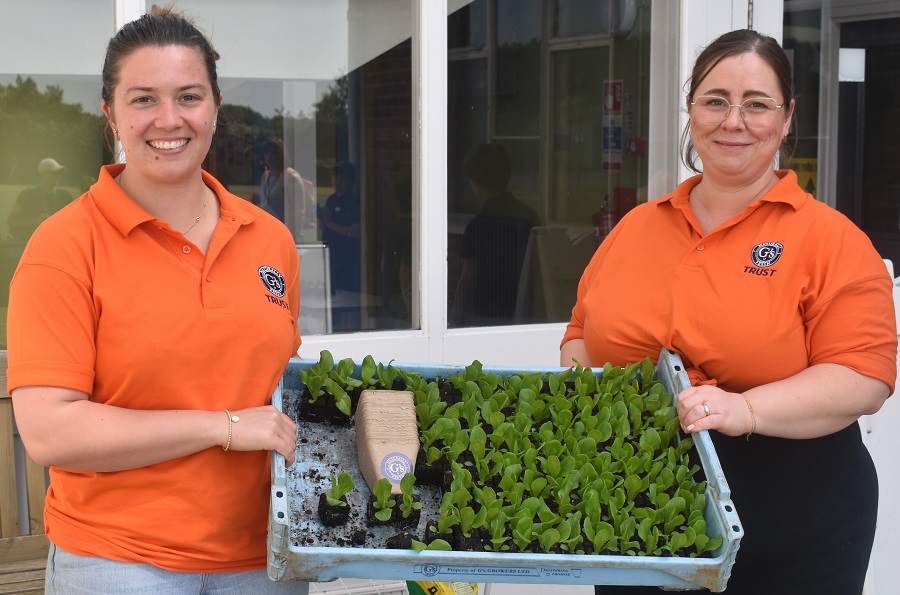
(164,111)
(731,150)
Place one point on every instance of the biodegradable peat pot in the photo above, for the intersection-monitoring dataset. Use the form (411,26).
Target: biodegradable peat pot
(387,439)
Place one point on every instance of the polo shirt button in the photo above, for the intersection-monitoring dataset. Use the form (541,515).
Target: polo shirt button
(209,278)
(186,249)
(701,247)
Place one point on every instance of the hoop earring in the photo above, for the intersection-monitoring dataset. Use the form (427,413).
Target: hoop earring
(115,132)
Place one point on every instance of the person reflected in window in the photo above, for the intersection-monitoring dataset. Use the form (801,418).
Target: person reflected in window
(36,203)
(493,245)
(396,262)
(284,193)
(340,221)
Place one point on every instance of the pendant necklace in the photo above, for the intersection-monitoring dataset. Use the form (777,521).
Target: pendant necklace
(197,218)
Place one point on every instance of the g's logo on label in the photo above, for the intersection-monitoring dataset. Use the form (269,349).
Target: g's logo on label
(766,254)
(273,280)
(395,465)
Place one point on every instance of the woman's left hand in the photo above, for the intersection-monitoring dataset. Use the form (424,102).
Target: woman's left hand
(707,407)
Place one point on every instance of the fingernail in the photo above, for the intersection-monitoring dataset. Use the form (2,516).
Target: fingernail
(690,427)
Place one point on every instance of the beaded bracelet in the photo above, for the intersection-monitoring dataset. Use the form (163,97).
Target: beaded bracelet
(231,420)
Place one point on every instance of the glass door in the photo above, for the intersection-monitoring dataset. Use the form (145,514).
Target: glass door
(868,182)
(846,60)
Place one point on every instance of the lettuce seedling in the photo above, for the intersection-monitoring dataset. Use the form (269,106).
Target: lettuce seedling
(601,534)
(341,398)
(498,530)
(548,538)
(342,374)
(383,502)
(522,532)
(467,518)
(437,544)
(341,485)
(367,372)
(314,376)
(407,503)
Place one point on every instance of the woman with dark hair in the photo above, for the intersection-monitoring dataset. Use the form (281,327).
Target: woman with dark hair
(781,310)
(149,322)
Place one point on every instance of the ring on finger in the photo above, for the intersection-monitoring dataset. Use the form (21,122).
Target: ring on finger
(706,408)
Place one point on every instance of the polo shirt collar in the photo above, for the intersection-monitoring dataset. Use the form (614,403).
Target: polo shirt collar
(786,190)
(125,214)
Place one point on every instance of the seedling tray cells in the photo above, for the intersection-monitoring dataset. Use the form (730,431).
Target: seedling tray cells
(560,476)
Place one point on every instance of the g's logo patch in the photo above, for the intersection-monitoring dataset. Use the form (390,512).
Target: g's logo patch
(766,254)
(273,280)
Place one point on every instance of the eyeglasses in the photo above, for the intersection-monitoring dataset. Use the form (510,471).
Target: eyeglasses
(757,112)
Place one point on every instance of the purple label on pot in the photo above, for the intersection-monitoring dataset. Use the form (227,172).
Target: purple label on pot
(395,465)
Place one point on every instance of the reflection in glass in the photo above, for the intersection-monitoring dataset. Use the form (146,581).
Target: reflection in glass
(50,152)
(571,115)
(575,18)
(805,51)
(316,129)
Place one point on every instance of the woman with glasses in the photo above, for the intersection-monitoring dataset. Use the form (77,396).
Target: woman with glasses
(781,310)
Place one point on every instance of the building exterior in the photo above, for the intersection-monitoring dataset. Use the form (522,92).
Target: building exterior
(584,96)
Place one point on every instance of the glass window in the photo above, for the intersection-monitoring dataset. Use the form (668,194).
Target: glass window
(51,145)
(547,127)
(844,56)
(805,51)
(315,128)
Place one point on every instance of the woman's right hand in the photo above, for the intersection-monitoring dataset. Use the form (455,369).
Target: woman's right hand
(262,428)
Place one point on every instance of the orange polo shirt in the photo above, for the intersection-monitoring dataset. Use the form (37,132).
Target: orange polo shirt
(786,284)
(112,302)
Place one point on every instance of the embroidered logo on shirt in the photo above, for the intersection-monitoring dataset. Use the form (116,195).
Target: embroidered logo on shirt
(273,280)
(763,256)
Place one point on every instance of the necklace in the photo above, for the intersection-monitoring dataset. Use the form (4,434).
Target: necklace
(200,214)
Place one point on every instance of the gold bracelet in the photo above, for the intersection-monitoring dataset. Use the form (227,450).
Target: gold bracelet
(752,416)
(231,420)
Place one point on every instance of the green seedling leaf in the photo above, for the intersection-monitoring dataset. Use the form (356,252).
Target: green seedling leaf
(342,401)
(437,544)
(383,502)
(548,539)
(650,440)
(340,486)
(368,369)
(325,363)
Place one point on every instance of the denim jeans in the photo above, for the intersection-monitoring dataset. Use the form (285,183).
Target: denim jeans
(71,574)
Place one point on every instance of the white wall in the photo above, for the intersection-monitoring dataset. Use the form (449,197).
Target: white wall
(883,441)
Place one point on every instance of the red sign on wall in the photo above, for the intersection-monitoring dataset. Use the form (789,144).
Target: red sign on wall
(612,98)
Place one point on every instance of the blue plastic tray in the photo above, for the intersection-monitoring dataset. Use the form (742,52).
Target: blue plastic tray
(301,548)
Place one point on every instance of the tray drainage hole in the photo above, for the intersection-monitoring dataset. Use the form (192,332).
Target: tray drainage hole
(736,528)
(279,494)
(727,508)
(280,515)
(677,368)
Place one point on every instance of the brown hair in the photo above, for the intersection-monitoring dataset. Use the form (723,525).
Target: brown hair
(161,27)
(735,43)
